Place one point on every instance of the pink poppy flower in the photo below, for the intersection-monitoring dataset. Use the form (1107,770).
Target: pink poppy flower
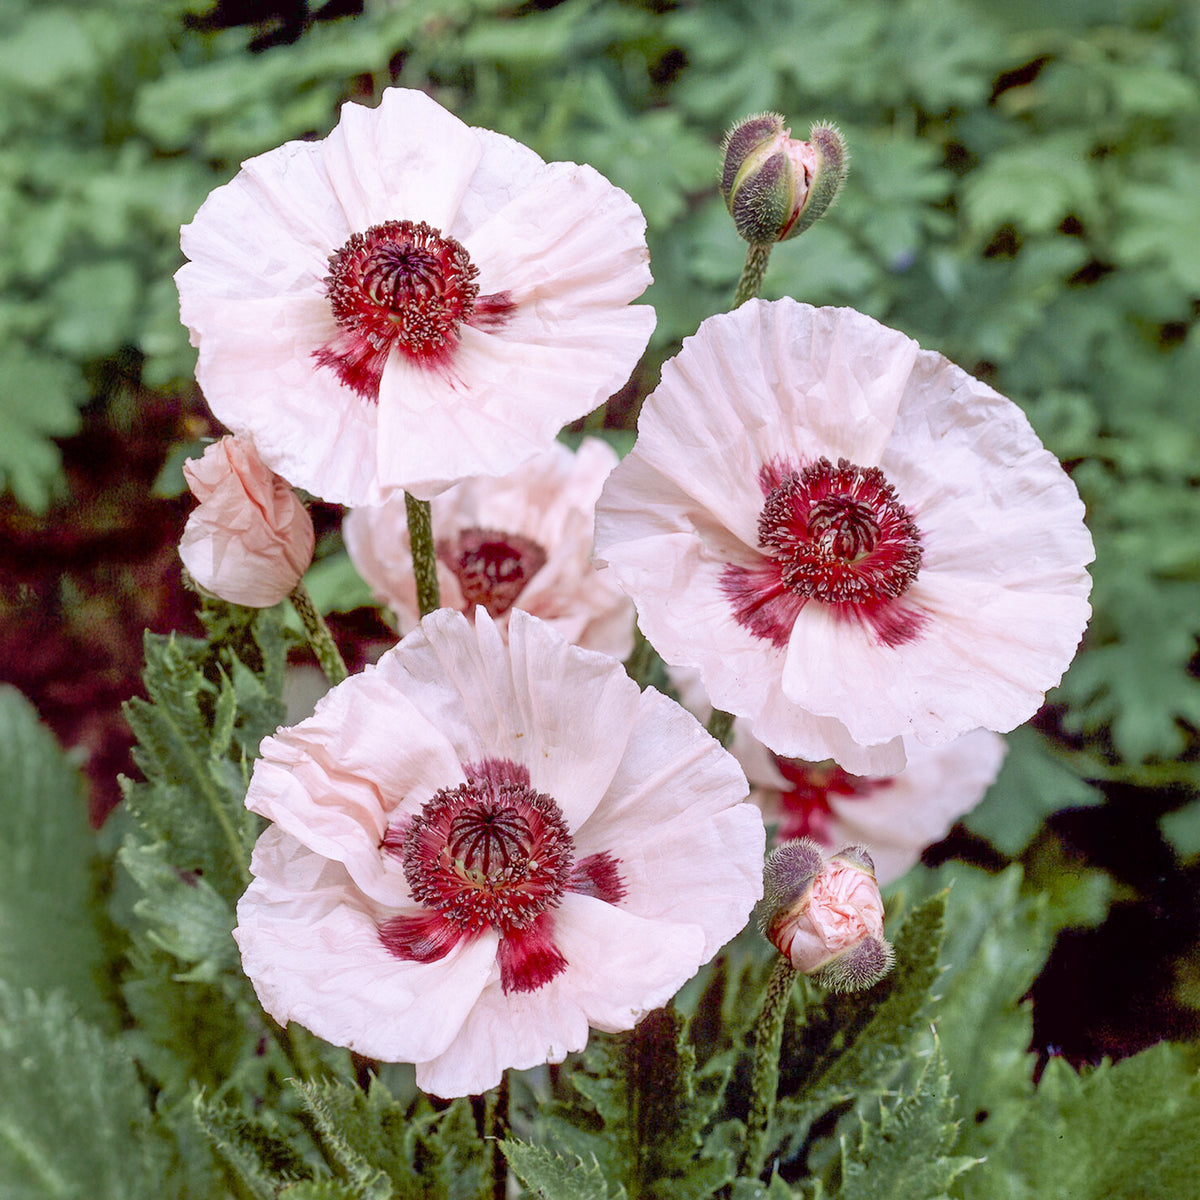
(895,816)
(481,850)
(521,541)
(826,916)
(410,301)
(250,540)
(850,538)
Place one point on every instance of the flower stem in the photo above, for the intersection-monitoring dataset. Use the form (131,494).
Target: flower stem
(319,637)
(750,284)
(420,536)
(720,725)
(768,1036)
(496,1126)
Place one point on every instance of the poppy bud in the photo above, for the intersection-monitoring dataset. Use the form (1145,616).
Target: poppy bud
(826,916)
(251,539)
(774,185)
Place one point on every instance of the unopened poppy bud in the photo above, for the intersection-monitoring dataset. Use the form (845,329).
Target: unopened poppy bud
(826,916)
(251,539)
(774,185)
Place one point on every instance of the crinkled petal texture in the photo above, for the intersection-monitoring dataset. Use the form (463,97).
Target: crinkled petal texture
(251,539)
(560,254)
(896,817)
(532,526)
(667,854)
(983,628)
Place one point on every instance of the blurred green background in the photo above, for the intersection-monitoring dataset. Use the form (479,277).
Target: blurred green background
(1023,196)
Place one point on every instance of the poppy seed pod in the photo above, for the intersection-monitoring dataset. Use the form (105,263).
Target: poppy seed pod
(774,185)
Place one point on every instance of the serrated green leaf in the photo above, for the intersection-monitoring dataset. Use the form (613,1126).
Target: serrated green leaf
(253,1149)
(75,1120)
(848,1046)
(907,1152)
(1120,1130)
(553,1178)
(192,801)
(996,942)
(49,937)
(186,917)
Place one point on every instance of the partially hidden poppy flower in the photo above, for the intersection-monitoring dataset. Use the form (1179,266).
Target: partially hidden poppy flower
(479,850)
(521,541)
(250,539)
(895,816)
(410,301)
(850,538)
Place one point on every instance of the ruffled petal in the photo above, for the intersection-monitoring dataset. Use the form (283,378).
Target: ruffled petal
(310,944)
(406,160)
(916,808)
(337,780)
(267,354)
(570,241)
(620,967)
(267,233)
(664,812)
(501,401)
(562,712)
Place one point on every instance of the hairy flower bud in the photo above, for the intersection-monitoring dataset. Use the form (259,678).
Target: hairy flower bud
(774,185)
(826,916)
(251,539)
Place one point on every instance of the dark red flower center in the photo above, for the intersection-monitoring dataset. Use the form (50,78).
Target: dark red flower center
(492,853)
(840,534)
(805,809)
(836,535)
(492,567)
(401,284)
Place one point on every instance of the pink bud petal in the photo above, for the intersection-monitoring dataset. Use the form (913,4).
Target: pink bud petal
(251,539)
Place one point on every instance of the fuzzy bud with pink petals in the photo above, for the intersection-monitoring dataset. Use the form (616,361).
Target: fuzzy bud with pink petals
(775,186)
(251,539)
(826,915)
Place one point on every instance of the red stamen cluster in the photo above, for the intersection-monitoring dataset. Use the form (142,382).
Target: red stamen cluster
(492,567)
(837,535)
(490,852)
(840,534)
(401,284)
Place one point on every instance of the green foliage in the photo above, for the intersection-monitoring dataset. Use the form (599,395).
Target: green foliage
(184,915)
(51,938)
(1123,1129)
(418,1151)
(38,399)
(74,1118)
(853,1045)
(553,1178)
(997,939)
(646,1113)
(1032,784)
(251,1148)
(197,735)
(374,1147)
(908,1151)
